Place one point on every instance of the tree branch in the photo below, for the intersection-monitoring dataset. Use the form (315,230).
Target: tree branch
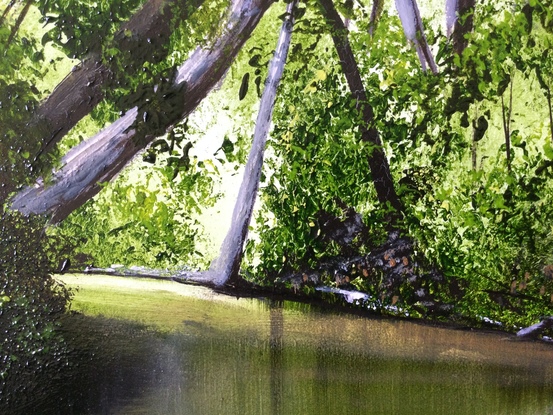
(101,158)
(376,12)
(78,94)
(411,21)
(378,163)
(18,22)
(459,22)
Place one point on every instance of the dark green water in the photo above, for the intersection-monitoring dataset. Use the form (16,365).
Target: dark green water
(256,357)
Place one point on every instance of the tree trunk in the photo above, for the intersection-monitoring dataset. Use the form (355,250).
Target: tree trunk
(376,12)
(506,117)
(378,163)
(80,91)
(227,265)
(100,158)
(411,21)
(459,22)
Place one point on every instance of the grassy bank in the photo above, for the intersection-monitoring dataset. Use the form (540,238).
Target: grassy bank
(158,303)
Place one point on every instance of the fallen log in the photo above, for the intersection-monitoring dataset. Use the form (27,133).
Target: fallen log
(536,330)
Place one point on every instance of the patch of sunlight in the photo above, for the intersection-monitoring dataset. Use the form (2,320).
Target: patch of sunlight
(164,305)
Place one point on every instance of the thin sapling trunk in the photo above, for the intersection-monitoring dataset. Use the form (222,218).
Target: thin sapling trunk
(227,265)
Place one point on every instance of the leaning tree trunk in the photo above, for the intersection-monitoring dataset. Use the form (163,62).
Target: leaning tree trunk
(378,163)
(411,21)
(144,38)
(102,157)
(227,265)
(459,22)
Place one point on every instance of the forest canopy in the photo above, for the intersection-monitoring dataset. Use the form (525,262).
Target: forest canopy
(409,155)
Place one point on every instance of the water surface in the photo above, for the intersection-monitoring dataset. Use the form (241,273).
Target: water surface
(152,347)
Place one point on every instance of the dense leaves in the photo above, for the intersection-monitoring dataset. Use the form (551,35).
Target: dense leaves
(485,225)
(31,303)
(151,217)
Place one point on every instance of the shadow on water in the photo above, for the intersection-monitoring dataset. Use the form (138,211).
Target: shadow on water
(284,358)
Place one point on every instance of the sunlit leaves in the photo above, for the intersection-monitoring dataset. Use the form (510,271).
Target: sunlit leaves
(152,224)
(548,150)
(478,222)
(79,27)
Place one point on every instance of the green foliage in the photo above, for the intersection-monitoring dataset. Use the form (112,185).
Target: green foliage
(149,220)
(492,230)
(487,228)
(317,163)
(319,159)
(484,224)
(31,302)
(80,28)
(21,71)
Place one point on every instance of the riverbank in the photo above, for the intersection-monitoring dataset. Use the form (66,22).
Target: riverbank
(152,302)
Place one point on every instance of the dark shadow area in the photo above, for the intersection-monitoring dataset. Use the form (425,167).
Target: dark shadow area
(109,363)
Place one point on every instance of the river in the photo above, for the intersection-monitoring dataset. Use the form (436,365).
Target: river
(158,347)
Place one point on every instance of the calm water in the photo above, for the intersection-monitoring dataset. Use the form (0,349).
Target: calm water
(213,355)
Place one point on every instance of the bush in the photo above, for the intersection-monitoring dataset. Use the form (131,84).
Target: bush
(31,302)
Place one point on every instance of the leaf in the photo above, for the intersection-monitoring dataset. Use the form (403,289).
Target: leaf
(320,75)
(499,202)
(310,88)
(254,60)
(258,86)
(299,12)
(283,16)
(244,86)
(140,198)
(548,150)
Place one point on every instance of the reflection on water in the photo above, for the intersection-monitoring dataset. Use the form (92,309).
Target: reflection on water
(283,358)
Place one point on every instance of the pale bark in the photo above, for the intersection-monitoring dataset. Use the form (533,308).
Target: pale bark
(143,38)
(99,160)
(459,22)
(450,15)
(411,21)
(227,265)
(537,329)
(83,169)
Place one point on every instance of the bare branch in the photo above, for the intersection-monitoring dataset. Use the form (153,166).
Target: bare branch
(18,22)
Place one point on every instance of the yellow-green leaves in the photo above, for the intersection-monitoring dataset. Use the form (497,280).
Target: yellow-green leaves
(312,86)
(548,150)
